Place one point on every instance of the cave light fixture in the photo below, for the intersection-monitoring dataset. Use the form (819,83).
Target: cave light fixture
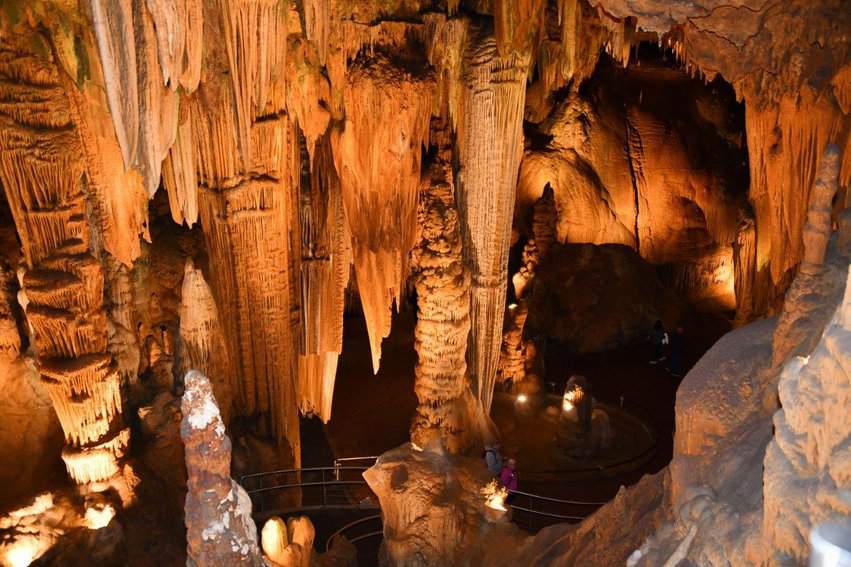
(495,495)
(522,398)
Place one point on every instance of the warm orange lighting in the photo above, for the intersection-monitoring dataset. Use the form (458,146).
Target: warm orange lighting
(98,517)
(571,398)
(522,399)
(495,495)
(24,552)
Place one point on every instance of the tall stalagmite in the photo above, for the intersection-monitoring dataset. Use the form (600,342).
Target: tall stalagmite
(490,147)
(447,411)
(512,363)
(43,174)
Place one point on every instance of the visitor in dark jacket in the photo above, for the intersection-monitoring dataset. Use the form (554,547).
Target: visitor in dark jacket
(659,338)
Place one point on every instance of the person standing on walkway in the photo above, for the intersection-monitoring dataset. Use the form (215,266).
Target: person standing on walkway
(493,459)
(659,338)
(508,475)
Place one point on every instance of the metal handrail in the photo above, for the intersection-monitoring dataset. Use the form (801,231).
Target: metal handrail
(351,525)
(548,514)
(558,500)
(337,481)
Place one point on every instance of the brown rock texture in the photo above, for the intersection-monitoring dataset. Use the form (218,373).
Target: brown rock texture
(447,412)
(219,527)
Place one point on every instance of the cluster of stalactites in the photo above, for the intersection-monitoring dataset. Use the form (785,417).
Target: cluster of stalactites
(324,269)
(377,154)
(443,319)
(42,173)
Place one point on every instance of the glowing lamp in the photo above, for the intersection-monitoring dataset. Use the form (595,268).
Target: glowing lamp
(522,399)
(416,447)
(98,517)
(495,495)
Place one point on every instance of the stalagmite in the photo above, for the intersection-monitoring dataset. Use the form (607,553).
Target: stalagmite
(490,139)
(202,341)
(42,171)
(447,411)
(818,228)
(544,221)
(219,527)
(377,153)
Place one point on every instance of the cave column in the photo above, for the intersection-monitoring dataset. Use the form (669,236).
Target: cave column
(43,175)
(447,411)
(490,147)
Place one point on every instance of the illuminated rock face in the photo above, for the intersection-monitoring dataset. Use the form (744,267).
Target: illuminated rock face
(447,412)
(43,175)
(434,510)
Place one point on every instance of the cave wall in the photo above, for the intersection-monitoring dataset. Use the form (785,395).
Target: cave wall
(293,134)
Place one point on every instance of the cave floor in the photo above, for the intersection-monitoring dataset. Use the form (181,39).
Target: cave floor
(371,414)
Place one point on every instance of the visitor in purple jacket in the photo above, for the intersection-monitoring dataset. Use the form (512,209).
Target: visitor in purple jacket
(508,475)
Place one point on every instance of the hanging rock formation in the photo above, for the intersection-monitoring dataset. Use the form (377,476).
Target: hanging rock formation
(325,269)
(377,153)
(43,176)
(490,147)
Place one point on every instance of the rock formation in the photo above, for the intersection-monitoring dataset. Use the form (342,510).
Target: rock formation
(512,362)
(447,411)
(490,148)
(434,511)
(219,527)
(42,172)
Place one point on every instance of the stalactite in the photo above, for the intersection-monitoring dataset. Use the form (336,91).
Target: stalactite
(179,177)
(179,27)
(202,341)
(41,168)
(325,268)
(377,153)
(784,149)
(255,39)
(491,145)
(317,19)
(144,109)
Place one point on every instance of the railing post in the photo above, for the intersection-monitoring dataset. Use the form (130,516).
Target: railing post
(336,470)
(324,495)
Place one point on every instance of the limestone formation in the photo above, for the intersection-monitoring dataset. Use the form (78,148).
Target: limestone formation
(434,511)
(43,175)
(447,412)
(379,170)
(219,527)
(512,362)
(489,152)
(202,341)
